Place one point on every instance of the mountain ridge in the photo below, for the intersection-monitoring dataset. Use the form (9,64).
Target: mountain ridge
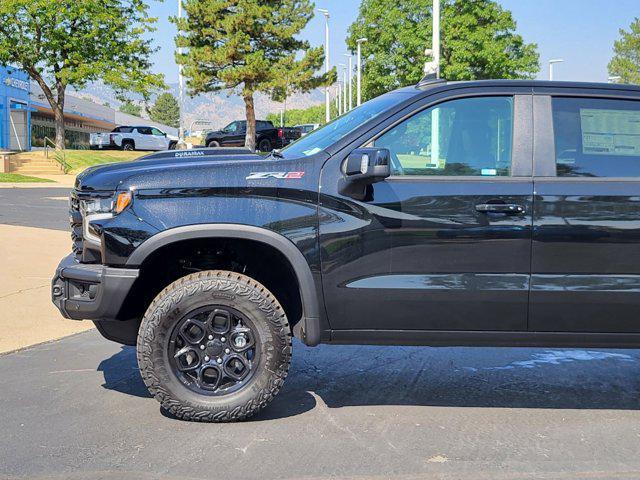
(218,109)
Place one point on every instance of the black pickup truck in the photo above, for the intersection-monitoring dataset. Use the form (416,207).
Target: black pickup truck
(268,136)
(503,213)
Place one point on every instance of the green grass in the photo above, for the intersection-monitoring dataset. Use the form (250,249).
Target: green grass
(78,160)
(16,178)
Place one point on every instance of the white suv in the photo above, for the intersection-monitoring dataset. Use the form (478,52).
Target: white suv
(132,138)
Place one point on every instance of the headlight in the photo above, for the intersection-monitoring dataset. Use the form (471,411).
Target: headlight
(101,208)
(92,206)
(103,205)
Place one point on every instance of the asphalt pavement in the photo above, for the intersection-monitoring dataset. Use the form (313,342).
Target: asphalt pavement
(45,207)
(77,408)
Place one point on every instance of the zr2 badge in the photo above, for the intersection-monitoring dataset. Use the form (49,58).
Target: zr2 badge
(279,175)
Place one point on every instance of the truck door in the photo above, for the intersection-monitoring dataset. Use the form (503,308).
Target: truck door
(586,255)
(160,141)
(445,242)
(144,139)
(235,136)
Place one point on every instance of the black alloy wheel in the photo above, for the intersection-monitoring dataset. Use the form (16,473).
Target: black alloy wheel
(213,350)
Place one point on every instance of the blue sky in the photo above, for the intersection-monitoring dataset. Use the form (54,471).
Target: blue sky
(581,32)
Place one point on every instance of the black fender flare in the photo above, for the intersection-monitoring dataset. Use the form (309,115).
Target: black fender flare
(310,322)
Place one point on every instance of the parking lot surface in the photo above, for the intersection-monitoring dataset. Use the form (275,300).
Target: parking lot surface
(44,207)
(77,408)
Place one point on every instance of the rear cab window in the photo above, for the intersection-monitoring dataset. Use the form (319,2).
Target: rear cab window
(596,137)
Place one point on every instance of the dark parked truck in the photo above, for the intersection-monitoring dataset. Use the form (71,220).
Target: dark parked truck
(268,137)
(502,213)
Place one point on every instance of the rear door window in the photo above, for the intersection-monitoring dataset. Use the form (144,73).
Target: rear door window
(596,137)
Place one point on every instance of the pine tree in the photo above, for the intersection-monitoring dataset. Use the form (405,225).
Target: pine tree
(246,46)
(626,59)
(166,110)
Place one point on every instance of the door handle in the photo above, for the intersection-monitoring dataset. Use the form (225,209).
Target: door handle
(506,208)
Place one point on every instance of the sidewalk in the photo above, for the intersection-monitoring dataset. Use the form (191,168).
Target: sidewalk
(60,181)
(29,257)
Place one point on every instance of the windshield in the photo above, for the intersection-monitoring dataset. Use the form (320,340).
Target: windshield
(321,138)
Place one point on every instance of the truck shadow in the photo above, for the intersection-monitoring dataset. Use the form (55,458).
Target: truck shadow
(362,376)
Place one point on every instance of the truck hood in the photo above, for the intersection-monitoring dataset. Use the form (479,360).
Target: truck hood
(111,176)
(195,169)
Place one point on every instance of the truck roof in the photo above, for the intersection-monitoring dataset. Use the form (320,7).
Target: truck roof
(428,84)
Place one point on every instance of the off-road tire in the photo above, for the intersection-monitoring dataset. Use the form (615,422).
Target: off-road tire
(213,144)
(224,288)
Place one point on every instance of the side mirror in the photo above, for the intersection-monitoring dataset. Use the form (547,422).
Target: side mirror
(363,167)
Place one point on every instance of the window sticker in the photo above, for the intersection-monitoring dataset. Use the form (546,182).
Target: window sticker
(311,151)
(610,132)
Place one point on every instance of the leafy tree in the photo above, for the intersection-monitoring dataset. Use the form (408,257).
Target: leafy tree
(626,59)
(68,43)
(166,110)
(130,108)
(248,46)
(478,41)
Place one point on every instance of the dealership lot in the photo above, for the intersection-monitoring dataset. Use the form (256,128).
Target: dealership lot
(77,407)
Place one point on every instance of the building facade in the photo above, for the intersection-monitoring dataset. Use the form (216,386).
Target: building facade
(81,118)
(15,110)
(27,120)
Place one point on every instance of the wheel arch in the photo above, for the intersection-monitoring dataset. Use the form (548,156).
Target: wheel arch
(308,329)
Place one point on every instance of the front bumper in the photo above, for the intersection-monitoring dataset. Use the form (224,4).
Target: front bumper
(88,291)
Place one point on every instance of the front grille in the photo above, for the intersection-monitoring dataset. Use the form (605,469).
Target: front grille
(75,219)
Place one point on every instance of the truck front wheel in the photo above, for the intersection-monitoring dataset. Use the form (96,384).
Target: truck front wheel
(214,346)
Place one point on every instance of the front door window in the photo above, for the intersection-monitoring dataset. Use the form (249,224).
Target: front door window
(469,137)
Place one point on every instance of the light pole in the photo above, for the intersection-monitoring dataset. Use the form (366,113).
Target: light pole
(339,97)
(327,101)
(360,41)
(432,68)
(344,87)
(436,36)
(180,82)
(350,79)
(552,62)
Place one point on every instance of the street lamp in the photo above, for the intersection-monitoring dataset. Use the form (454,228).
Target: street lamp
(360,41)
(552,62)
(345,88)
(339,96)
(180,83)
(327,101)
(350,78)
(432,69)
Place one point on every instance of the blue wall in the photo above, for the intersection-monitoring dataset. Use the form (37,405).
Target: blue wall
(14,92)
